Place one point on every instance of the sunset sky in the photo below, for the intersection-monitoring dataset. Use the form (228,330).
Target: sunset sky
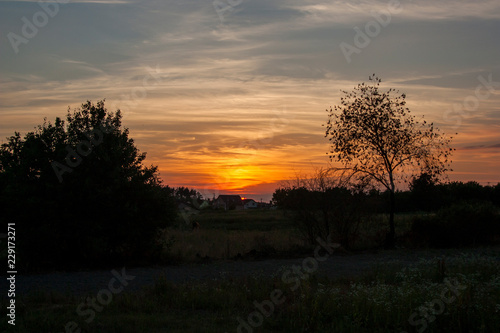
(232,98)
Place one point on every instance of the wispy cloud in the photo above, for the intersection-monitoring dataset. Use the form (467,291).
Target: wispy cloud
(483,146)
(80,1)
(212,118)
(348,12)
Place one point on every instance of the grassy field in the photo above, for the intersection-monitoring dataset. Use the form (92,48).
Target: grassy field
(222,235)
(461,296)
(248,220)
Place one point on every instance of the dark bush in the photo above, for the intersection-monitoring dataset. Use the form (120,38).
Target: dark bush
(334,212)
(461,224)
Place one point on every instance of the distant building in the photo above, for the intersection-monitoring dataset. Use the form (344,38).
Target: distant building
(250,204)
(264,205)
(228,202)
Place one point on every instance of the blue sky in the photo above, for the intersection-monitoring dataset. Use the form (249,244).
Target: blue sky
(233,95)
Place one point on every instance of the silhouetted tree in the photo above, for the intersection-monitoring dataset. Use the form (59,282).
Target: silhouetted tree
(469,191)
(187,196)
(424,192)
(495,194)
(80,192)
(373,135)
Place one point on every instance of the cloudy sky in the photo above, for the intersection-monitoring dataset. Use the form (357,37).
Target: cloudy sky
(231,95)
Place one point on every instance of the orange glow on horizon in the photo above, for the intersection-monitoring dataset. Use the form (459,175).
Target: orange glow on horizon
(261,178)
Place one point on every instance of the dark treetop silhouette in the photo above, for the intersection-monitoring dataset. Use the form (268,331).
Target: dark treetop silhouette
(373,135)
(80,194)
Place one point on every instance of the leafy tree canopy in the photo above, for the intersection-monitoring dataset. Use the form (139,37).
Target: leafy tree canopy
(373,134)
(80,192)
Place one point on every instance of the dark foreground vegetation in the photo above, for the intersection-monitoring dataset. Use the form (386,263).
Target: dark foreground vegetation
(438,215)
(445,294)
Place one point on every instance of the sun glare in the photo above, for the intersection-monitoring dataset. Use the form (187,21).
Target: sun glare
(238,177)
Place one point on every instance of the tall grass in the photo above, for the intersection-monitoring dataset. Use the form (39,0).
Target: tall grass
(222,235)
(189,246)
(384,300)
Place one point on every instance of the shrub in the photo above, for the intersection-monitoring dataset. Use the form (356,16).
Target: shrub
(461,224)
(334,212)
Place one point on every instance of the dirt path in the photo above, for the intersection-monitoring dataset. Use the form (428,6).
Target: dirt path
(335,266)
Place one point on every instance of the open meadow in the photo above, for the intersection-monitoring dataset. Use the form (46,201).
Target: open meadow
(262,233)
(224,235)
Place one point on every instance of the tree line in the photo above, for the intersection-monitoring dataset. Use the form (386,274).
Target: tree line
(321,205)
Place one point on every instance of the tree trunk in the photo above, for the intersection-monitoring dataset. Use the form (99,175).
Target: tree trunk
(390,240)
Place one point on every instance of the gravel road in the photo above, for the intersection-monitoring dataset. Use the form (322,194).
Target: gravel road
(337,265)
